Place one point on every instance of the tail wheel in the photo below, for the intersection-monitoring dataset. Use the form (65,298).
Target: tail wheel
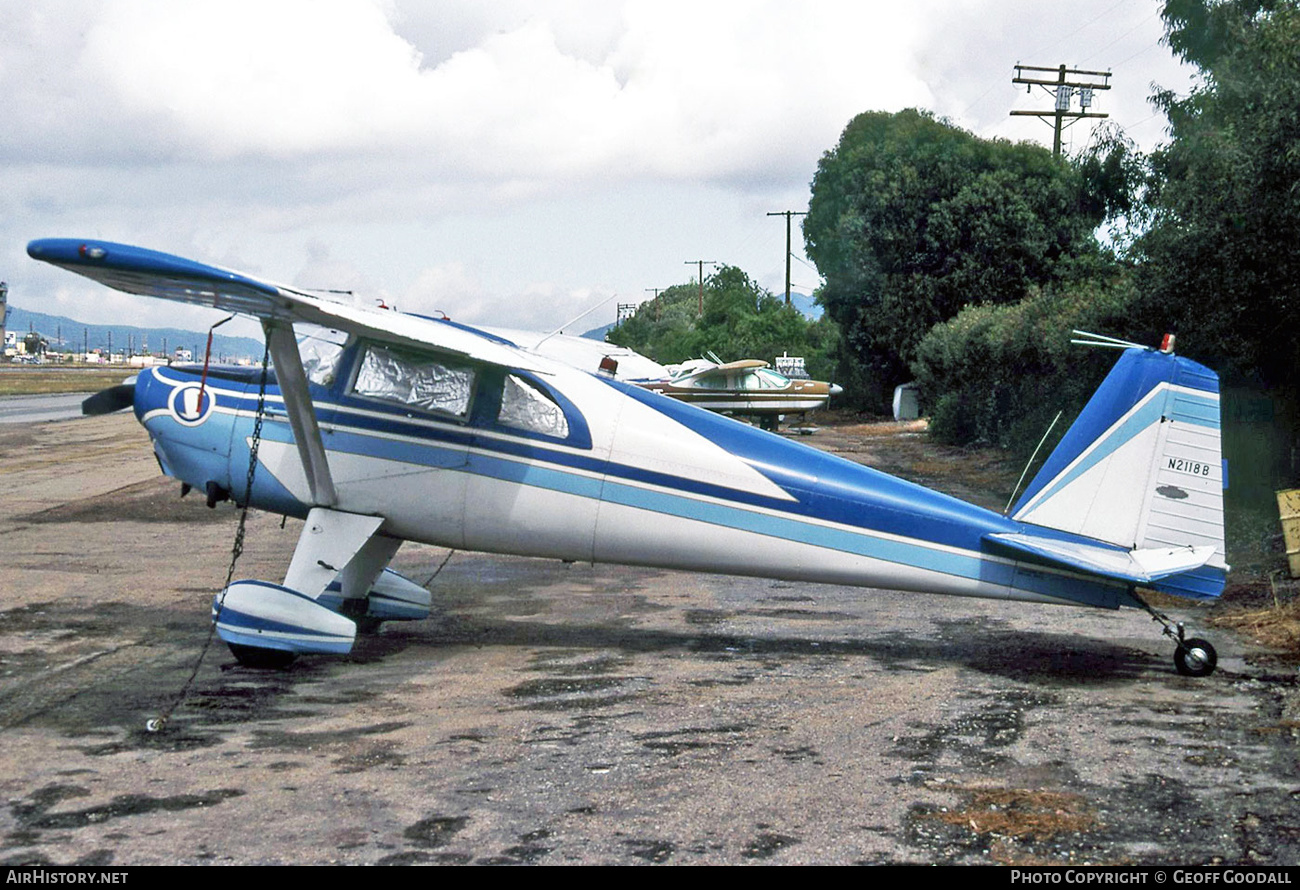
(1195,658)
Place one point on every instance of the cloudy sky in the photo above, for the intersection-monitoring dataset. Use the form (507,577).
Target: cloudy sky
(512,162)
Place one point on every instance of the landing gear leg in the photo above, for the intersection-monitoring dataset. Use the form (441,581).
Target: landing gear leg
(356,608)
(1193,657)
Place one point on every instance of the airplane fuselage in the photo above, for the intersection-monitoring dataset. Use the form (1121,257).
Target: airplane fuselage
(382,427)
(609,473)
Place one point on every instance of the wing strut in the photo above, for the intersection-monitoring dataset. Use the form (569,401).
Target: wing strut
(302,414)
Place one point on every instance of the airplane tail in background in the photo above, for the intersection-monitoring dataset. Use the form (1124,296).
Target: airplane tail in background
(1141,467)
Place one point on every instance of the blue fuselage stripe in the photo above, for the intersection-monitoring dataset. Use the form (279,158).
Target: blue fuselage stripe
(968,564)
(833,503)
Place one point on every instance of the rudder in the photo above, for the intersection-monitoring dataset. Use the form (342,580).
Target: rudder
(1141,467)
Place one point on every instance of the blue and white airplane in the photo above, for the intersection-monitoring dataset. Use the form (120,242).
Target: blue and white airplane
(378,427)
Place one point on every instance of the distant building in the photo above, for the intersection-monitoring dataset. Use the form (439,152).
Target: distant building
(145,361)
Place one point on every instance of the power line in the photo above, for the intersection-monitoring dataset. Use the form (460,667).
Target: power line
(1101,15)
(1121,37)
(788,214)
(701,264)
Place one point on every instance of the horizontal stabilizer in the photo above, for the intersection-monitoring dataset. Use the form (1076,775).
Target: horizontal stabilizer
(1132,566)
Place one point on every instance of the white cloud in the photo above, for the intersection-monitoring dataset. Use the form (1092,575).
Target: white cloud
(447,289)
(689,90)
(278,77)
(500,161)
(452,290)
(969,56)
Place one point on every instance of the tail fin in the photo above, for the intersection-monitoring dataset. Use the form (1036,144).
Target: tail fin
(1141,467)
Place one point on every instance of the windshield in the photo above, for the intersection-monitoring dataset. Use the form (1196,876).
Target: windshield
(320,349)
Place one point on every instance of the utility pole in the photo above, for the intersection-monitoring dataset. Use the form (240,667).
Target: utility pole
(655,298)
(1063,90)
(701,265)
(787,214)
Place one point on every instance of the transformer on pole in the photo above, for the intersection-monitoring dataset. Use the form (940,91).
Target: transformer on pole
(1063,90)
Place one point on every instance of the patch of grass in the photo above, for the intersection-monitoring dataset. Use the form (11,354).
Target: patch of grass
(881,428)
(1266,609)
(1020,813)
(32,381)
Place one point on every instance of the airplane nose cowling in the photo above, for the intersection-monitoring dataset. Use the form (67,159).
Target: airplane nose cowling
(836,389)
(190,438)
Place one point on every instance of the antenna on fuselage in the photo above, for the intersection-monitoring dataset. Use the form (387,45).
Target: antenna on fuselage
(1030,463)
(1104,341)
(574,320)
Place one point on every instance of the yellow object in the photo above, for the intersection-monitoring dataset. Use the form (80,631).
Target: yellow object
(1288,507)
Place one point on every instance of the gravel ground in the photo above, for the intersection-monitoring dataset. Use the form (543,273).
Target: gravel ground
(552,713)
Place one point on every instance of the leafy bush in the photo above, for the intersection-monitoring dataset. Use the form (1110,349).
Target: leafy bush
(998,374)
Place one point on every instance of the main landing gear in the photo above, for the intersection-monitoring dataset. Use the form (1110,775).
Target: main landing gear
(262,659)
(1193,657)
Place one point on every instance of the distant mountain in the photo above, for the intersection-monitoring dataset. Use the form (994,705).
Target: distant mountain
(599,333)
(77,335)
(805,303)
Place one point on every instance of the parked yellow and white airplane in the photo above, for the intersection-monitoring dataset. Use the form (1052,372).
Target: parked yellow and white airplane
(746,388)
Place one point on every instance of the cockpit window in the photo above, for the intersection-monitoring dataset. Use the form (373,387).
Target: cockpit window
(415,380)
(320,349)
(771,379)
(709,381)
(525,407)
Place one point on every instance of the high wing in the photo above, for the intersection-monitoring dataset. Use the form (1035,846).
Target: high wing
(584,353)
(742,365)
(152,273)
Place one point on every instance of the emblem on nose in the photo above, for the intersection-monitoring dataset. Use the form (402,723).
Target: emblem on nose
(187,407)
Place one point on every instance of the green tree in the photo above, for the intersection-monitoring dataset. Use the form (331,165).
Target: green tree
(741,320)
(912,219)
(1221,260)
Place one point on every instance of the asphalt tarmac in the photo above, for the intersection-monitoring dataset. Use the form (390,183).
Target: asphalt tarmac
(41,409)
(550,713)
